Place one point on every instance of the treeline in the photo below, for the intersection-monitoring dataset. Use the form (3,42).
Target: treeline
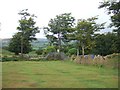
(66,36)
(104,44)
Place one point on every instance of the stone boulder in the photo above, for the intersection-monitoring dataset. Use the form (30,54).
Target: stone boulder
(56,56)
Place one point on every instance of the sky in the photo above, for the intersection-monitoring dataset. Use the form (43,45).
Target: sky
(45,10)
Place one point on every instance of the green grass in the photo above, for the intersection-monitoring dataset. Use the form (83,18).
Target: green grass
(56,74)
(6,52)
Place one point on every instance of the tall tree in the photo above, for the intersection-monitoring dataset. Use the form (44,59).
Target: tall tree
(113,8)
(84,33)
(105,44)
(15,44)
(58,28)
(26,32)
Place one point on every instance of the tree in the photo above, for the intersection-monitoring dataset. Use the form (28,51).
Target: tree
(113,8)
(84,33)
(15,44)
(49,49)
(72,51)
(105,44)
(58,28)
(26,33)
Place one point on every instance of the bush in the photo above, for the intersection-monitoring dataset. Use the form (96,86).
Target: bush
(6,58)
(14,58)
(49,49)
(39,51)
(72,51)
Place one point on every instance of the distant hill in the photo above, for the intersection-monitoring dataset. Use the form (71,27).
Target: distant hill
(40,42)
(5,42)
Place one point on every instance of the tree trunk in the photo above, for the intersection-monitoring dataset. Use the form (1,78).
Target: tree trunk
(83,50)
(59,43)
(78,52)
(78,48)
(21,46)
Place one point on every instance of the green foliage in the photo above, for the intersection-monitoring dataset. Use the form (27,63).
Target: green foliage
(58,28)
(49,49)
(27,25)
(13,58)
(72,51)
(15,44)
(39,51)
(20,43)
(84,33)
(113,8)
(105,44)
(61,32)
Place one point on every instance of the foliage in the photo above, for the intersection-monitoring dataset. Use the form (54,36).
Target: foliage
(13,58)
(105,44)
(72,51)
(20,43)
(49,49)
(113,8)
(39,51)
(84,33)
(64,37)
(15,44)
(58,28)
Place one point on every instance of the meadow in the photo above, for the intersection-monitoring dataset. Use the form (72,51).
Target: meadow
(56,74)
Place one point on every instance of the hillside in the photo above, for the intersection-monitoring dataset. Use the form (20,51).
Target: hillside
(40,42)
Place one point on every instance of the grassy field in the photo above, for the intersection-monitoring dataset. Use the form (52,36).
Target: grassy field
(56,74)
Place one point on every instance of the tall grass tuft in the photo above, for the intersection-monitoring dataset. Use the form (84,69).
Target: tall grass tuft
(109,61)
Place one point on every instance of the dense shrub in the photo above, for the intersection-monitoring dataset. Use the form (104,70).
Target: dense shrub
(6,58)
(48,49)
(72,51)
(15,58)
(39,51)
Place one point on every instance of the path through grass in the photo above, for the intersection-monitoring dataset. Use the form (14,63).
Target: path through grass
(56,74)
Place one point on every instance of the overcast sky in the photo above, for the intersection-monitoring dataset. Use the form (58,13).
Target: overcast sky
(45,10)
